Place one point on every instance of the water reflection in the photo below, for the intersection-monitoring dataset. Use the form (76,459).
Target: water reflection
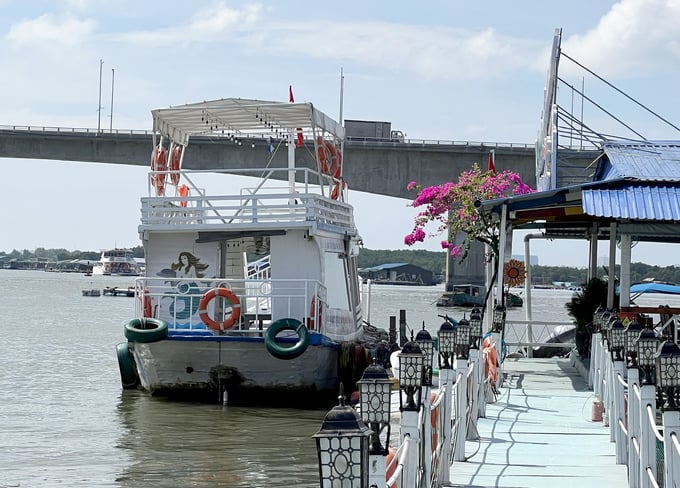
(189,444)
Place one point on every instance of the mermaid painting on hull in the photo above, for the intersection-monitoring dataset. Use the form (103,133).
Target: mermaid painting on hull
(183,302)
(188,266)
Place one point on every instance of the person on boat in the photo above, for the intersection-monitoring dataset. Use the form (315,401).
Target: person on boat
(188,266)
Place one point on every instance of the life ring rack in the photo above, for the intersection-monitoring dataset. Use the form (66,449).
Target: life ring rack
(282,352)
(229,296)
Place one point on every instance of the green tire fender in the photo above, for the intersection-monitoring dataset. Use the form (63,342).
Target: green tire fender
(126,364)
(283,352)
(146,330)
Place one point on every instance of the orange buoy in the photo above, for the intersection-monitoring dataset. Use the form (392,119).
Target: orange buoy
(183,191)
(314,320)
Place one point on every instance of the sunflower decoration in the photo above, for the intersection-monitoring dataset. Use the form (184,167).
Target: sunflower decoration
(514,273)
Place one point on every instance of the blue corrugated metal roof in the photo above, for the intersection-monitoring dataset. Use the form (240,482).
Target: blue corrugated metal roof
(645,161)
(634,202)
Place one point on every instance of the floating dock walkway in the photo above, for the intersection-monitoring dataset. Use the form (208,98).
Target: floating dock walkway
(539,433)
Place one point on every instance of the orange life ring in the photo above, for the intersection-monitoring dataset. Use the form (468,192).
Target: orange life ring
(314,322)
(490,361)
(322,153)
(175,161)
(335,166)
(183,191)
(391,463)
(158,163)
(335,194)
(434,420)
(227,295)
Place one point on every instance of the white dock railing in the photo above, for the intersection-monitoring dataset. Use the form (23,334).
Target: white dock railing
(650,449)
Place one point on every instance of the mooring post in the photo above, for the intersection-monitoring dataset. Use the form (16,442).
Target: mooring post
(402,328)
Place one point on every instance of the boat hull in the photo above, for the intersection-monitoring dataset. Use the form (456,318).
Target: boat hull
(204,369)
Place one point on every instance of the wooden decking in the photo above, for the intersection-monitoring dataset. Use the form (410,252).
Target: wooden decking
(539,433)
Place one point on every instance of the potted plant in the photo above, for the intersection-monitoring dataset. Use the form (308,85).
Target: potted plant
(582,307)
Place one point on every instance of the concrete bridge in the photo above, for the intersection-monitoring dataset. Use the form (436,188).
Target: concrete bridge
(377,167)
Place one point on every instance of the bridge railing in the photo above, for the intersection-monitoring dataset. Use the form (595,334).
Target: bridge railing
(266,136)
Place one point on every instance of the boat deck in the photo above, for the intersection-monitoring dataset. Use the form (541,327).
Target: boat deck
(539,433)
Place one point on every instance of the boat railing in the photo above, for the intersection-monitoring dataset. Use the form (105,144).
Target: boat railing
(180,302)
(302,203)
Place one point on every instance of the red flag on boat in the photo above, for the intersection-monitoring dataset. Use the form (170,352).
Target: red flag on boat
(299,130)
(492,161)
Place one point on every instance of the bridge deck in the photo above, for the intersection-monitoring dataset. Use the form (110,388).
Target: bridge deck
(539,433)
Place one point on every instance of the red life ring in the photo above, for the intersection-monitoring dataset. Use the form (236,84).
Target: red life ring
(314,322)
(227,295)
(175,161)
(158,164)
(183,191)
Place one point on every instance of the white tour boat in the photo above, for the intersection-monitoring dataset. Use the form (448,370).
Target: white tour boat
(116,262)
(249,296)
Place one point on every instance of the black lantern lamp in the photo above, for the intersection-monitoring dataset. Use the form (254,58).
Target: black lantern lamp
(597,319)
(410,377)
(632,334)
(426,345)
(462,339)
(647,346)
(476,331)
(342,446)
(617,340)
(605,324)
(498,319)
(447,345)
(668,372)
(374,397)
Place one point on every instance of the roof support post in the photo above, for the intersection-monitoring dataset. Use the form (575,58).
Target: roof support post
(612,266)
(502,234)
(625,270)
(592,265)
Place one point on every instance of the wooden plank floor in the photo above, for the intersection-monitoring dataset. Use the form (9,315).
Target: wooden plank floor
(539,433)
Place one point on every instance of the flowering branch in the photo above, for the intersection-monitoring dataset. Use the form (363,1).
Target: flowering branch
(452,206)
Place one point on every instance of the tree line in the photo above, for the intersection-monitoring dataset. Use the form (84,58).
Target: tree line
(368,258)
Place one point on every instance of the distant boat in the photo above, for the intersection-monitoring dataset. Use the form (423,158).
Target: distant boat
(468,295)
(116,262)
(93,292)
(655,287)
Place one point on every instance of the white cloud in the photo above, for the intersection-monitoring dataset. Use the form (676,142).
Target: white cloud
(633,38)
(49,30)
(208,25)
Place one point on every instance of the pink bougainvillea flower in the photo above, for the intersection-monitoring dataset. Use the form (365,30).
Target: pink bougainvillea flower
(457,201)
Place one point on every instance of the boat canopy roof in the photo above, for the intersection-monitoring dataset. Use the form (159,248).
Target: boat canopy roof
(241,117)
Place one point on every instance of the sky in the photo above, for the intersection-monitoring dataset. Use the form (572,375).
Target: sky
(438,70)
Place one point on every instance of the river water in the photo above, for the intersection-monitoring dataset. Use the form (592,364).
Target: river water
(65,421)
